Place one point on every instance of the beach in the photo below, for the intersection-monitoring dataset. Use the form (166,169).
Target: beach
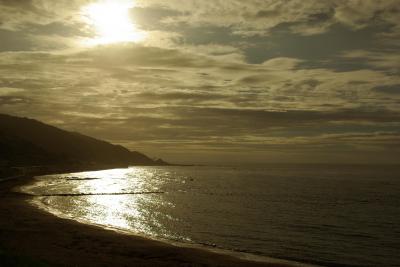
(34,237)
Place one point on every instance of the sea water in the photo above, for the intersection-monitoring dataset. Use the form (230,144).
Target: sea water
(332,215)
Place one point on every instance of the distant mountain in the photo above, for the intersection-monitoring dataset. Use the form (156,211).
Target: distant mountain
(26,141)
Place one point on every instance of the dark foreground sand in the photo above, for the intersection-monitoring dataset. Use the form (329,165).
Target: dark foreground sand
(32,236)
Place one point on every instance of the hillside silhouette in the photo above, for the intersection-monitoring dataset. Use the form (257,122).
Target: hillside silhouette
(27,142)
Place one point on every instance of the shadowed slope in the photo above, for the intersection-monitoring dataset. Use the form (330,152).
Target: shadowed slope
(28,141)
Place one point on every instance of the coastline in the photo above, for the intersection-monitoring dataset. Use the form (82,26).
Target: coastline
(31,233)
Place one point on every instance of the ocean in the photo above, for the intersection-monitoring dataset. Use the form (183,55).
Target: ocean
(331,215)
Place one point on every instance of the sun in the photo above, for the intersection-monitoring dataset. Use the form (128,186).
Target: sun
(111,22)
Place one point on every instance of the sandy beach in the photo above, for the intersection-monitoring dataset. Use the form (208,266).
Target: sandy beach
(34,237)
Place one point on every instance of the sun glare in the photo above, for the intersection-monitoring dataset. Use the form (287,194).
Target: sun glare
(112,22)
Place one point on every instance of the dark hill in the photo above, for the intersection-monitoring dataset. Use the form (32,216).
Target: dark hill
(30,142)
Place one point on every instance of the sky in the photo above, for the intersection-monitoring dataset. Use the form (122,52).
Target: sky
(211,81)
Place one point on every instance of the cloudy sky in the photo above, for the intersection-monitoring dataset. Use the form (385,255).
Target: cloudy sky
(210,80)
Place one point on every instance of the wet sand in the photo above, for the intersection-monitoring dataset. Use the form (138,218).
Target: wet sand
(33,234)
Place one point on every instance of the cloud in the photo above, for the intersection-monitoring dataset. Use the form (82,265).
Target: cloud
(359,14)
(388,60)
(173,129)
(391,89)
(260,76)
(4,91)
(115,72)
(257,17)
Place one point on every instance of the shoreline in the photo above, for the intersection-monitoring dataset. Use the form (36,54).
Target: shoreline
(32,233)
(241,255)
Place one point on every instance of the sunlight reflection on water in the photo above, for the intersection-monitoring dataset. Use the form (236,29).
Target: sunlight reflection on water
(122,211)
(301,212)
(128,211)
(115,210)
